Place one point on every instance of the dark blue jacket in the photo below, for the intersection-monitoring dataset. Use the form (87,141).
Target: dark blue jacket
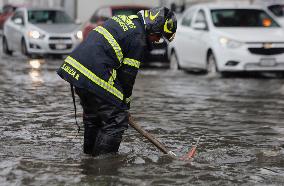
(107,61)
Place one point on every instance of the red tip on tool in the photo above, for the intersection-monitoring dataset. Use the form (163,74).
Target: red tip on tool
(192,151)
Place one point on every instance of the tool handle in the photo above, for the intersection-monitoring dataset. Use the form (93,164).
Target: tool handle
(147,135)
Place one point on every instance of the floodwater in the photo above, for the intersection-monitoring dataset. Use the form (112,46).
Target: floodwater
(240,121)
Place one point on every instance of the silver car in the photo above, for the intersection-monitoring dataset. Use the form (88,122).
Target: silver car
(40,31)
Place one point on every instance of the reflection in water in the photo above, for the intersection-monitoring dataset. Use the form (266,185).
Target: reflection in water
(103,165)
(35,76)
(282,90)
(35,73)
(35,63)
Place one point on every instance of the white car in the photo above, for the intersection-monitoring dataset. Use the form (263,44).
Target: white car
(40,31)
(228,38)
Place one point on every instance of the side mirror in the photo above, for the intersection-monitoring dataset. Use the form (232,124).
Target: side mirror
(19,21)
(199,26)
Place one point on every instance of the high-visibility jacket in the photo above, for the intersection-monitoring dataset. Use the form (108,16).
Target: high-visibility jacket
(107,61)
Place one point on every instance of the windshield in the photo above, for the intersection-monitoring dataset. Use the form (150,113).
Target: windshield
(277,10)
(103,14)
(48,17)
(242,18)
(8,9)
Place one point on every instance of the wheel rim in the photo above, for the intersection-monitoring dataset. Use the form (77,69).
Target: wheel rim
(174,62)
(211,66)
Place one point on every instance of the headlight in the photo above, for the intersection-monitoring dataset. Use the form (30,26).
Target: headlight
(35,34)
(225,42)
(79,35)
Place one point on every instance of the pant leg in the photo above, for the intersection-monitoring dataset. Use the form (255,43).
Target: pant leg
(114,122)
(104,124)
(90,119)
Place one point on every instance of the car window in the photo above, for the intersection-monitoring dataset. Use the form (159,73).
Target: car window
(277,10)
(242,18)
(101,14)
(18,14)
(186,21)
(94,17)
(48,17)
(8,9)
(200,17)
(125,11)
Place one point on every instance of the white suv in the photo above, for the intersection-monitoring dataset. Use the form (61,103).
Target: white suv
(228,38)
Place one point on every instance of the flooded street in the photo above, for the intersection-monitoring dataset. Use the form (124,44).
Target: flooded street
(240,121)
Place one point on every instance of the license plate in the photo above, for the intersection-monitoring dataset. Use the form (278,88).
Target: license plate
(158,52)
(267,62)
(60,46)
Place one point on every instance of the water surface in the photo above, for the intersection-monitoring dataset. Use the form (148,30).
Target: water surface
(240,121)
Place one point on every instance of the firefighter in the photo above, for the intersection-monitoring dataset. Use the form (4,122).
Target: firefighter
(103,69)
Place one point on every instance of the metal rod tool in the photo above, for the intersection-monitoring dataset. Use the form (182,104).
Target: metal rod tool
(151,138)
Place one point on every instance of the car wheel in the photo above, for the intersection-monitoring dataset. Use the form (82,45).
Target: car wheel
(174,64)
(5,47)
(212,68)
(24,49)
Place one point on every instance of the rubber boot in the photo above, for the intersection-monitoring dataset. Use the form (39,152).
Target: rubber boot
(106,144)
(90,133)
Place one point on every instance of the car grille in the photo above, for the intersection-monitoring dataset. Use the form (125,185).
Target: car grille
(59,38)
(266,51)
(60,43)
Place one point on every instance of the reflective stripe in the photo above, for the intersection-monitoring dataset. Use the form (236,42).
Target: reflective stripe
(112,77)
(133,16)
(146,13)
(111,41)
(131,62)
(121,23)
(90,75)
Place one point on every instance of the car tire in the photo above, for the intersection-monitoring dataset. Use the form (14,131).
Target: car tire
(5,47)
(211,67)
(174,64)
(24,49)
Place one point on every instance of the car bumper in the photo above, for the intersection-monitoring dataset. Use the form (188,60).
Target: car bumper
(248,58)
(56,44)
(157,54)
